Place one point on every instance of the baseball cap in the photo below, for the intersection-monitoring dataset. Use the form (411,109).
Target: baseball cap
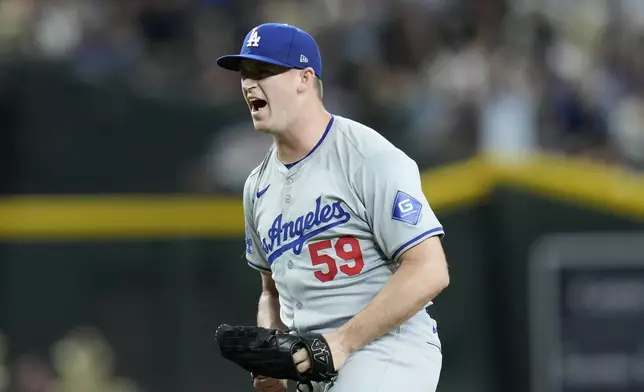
(279,44)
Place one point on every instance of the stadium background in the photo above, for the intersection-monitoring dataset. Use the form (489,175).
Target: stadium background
(123,150)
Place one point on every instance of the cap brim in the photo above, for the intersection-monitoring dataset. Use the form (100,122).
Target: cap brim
(231,62)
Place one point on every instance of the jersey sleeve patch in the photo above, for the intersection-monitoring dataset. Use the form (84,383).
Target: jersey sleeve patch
(406,208)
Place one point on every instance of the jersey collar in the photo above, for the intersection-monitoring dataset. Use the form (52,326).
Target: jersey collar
(290,166)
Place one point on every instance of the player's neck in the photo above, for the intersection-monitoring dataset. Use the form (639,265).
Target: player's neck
(302,136)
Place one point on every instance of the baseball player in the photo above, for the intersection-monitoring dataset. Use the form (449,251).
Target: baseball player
(338,226)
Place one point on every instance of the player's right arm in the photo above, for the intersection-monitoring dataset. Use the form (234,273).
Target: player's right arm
(268,316)
(268,312)
(268,309)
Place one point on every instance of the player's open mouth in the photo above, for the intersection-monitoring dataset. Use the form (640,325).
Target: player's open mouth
(256,104)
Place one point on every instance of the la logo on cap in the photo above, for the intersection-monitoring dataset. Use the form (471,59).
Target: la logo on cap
(254,38)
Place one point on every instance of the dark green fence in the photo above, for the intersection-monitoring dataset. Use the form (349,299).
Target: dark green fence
(59,134)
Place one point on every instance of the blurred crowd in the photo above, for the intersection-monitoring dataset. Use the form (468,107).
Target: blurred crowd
(443,79)
(81,361)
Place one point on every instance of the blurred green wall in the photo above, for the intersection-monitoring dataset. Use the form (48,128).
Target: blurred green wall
(159,301)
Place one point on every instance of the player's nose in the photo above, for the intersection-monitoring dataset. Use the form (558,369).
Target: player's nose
(248,84)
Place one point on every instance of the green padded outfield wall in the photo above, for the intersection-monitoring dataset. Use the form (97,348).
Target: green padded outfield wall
(63,135)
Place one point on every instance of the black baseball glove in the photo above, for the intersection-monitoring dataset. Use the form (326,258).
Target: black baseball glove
(269,352)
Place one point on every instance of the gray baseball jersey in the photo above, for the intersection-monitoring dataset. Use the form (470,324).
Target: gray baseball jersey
(330,227)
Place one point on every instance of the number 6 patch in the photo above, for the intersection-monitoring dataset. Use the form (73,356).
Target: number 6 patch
(406,208)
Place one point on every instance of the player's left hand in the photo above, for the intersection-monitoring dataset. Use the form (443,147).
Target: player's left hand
(339,352)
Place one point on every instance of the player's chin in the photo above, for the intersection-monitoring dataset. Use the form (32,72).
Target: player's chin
(261,126)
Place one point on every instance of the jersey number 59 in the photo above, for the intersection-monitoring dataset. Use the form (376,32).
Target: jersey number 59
(346,248)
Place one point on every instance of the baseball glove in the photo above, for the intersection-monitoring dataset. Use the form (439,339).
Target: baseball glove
(269,352)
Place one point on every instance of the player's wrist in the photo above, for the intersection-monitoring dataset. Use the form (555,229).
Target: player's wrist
(350,341)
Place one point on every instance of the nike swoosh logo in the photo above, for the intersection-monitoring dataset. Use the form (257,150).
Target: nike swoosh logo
(260,193)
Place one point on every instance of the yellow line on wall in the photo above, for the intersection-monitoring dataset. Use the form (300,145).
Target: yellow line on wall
(104,216)
(452,186)
(593,185)
(459,184)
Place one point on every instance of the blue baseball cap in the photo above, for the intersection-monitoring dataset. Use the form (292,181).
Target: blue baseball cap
(279,44)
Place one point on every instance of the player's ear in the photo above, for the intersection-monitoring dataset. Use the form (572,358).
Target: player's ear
(306,80)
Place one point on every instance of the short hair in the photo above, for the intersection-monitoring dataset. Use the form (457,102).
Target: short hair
(319,87)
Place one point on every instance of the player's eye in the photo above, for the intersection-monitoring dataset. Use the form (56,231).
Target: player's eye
(262,72)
